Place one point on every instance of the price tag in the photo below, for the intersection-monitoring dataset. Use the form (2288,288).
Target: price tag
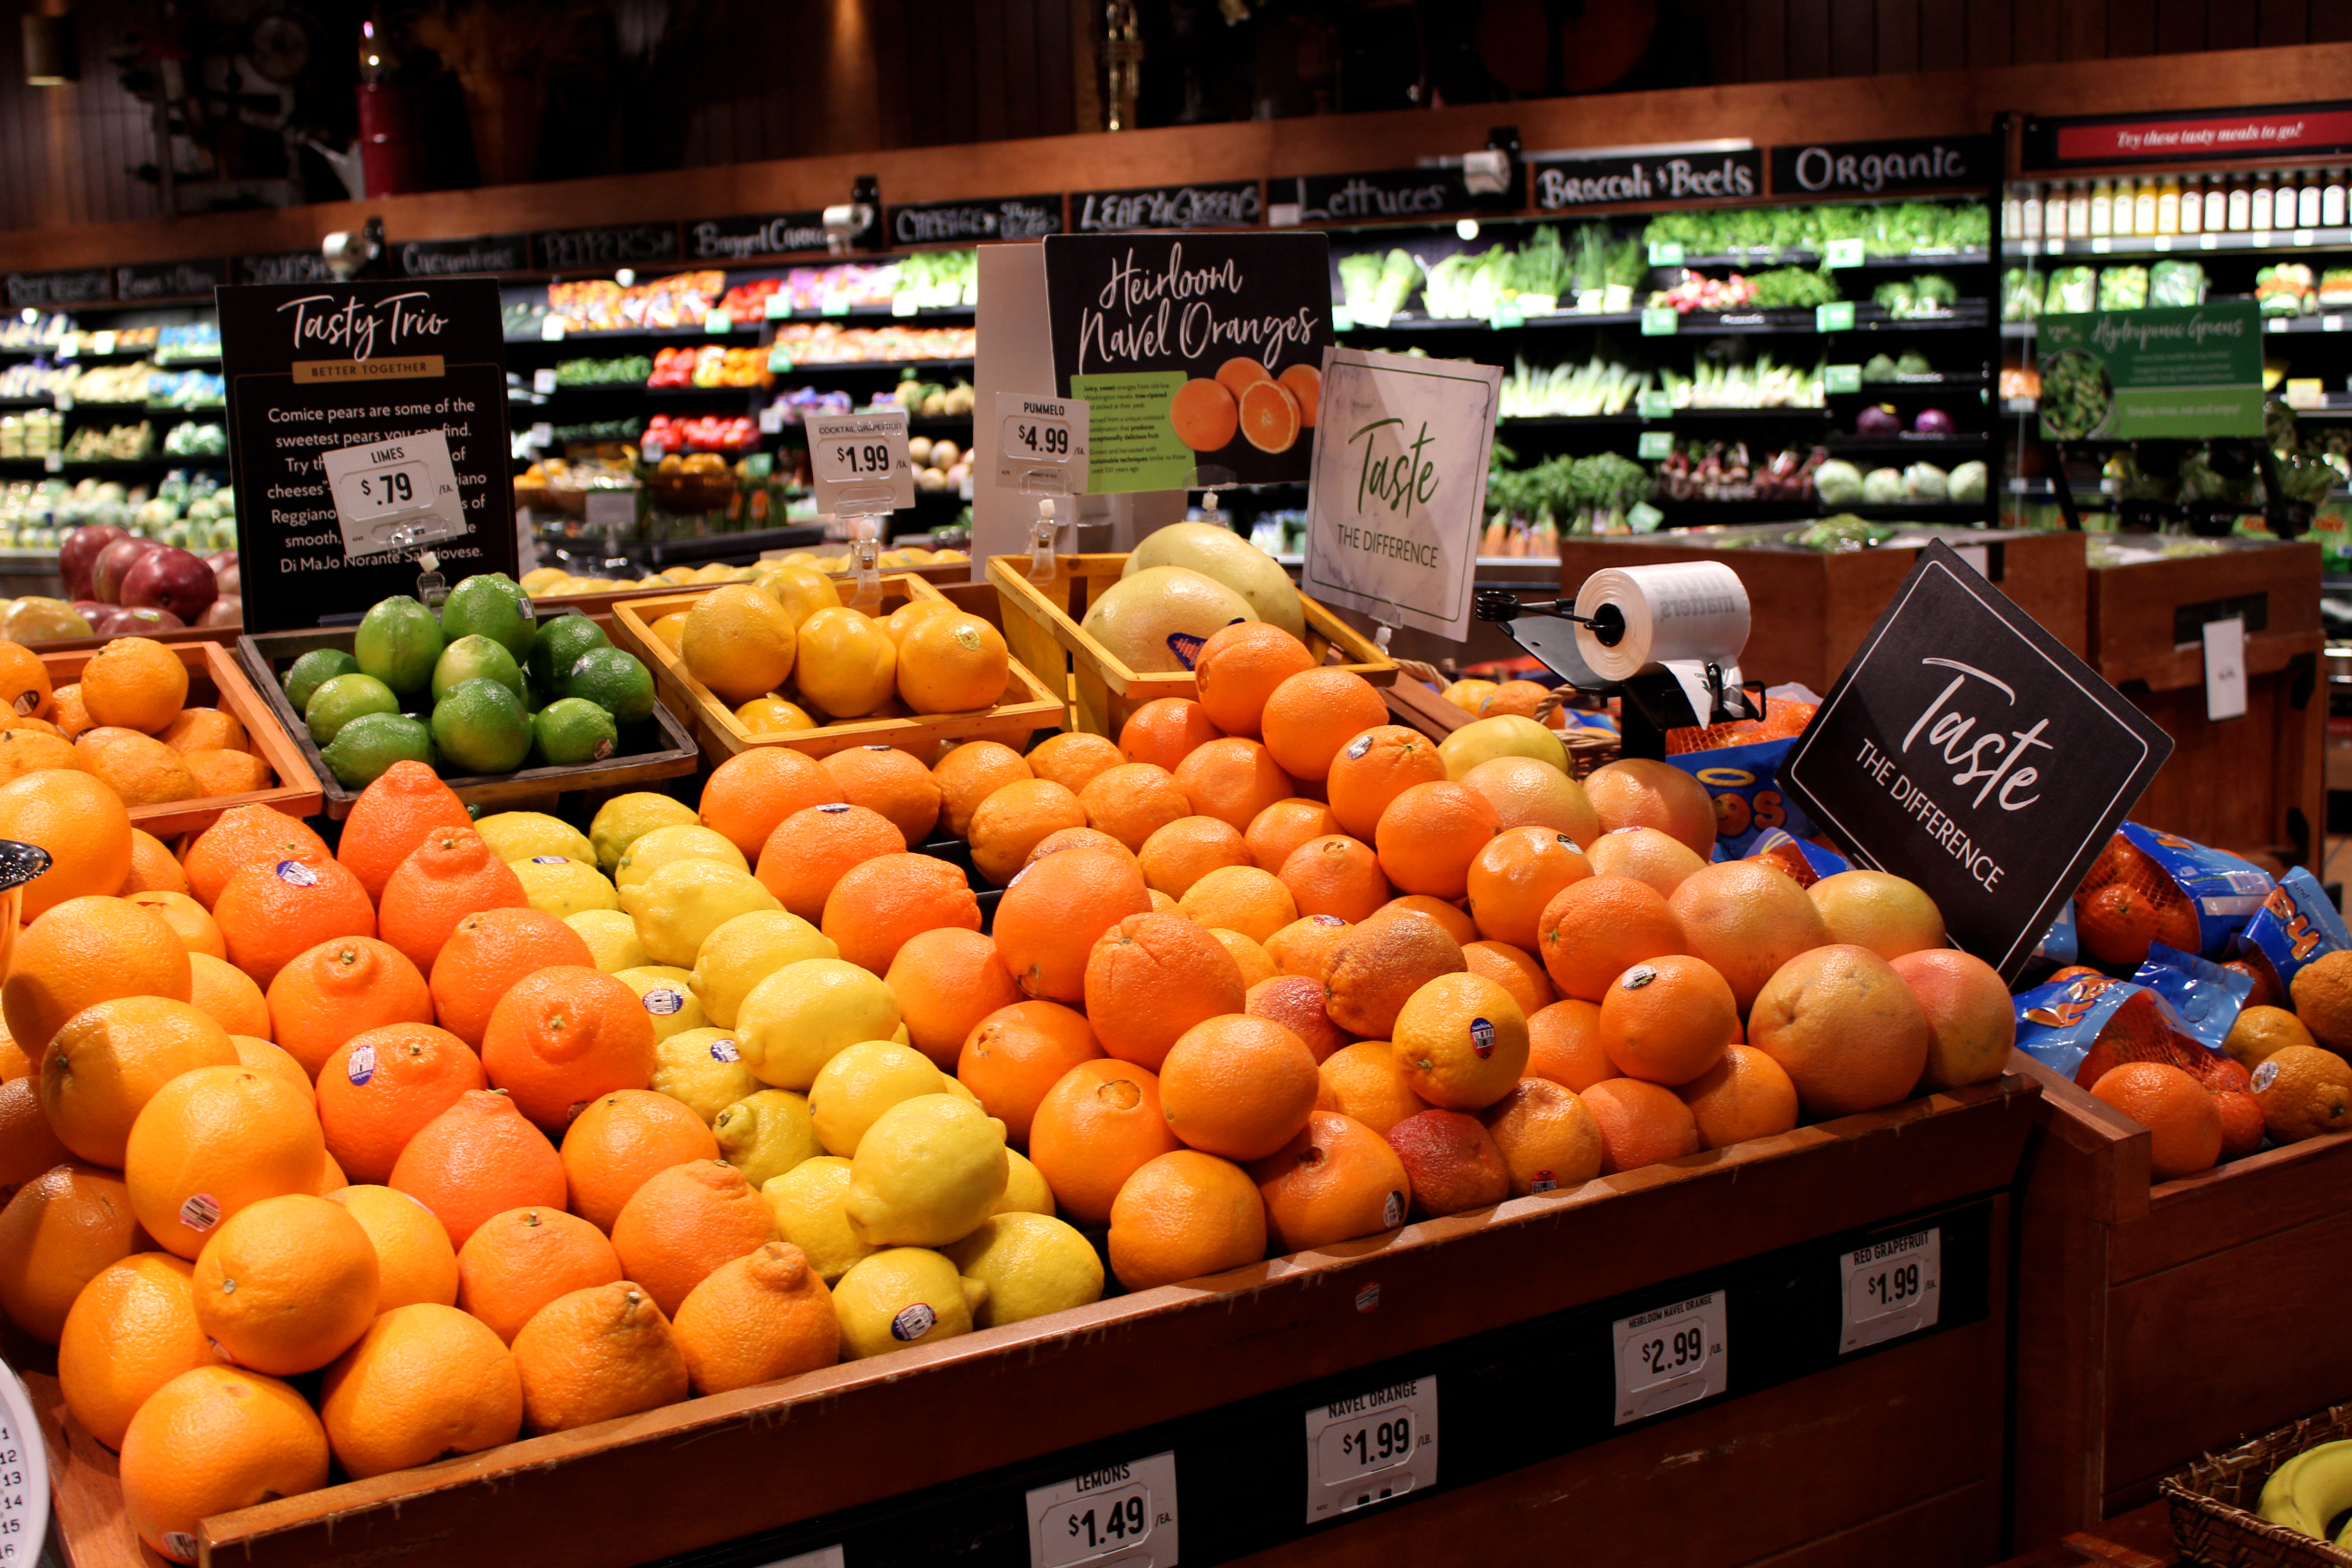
(1841,253)
(859,462)
(2056,248)
(779,306)
(651,451)
(62,402)
(2225,669)
(1834,316)
(718,323)
(1665,255)
(2163,242)
(542,381)
(1671,1356)
(2304,237)
(395,493)
(771,418)
(102,343)
(903,304)
(1842,378)
(1041,444)
(836,303)
(2209,242)
(614,510)
(1655,404)
(24,1478)
(1374,316)
(551,328)
(2331,323)
(1890,1288)
(53,462)
(1643,517)
(1370,1448)
(2259,238)
(1654,444)
(1122,1515)
(69,349)
(542,435)
(779,360)
(1342,318)
(758,465)
(1661,322)
(1506,315)
(2276,324)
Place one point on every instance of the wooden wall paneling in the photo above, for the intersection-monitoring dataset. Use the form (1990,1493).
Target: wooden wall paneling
(2331,21)
(1990,34)
(2283,22)
(1853,37)
(1942,34)
(1896,44)
(1765,31)
(1726,24)
(1807,46)
(2131,26)
(2231,26)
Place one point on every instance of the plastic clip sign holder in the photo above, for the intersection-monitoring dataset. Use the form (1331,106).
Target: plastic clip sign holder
(1370,1448)
(1121,1515)
(862,475)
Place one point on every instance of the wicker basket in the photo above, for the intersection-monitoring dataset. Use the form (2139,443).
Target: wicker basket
(2212,1502)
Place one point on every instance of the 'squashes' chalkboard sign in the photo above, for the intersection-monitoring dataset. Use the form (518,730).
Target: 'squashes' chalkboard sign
(314,369)
(1965,749)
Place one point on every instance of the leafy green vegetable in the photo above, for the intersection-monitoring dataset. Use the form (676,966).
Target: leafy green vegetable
(1787,286)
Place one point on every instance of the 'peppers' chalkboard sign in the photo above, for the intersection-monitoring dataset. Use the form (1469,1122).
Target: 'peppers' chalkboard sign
(991,217)
(46,289)
(1384,193)
(1657,179)
(1883,168)
(168,280)
(284,267)
(1965,749)
(761,234)
(464,258)
(594,249)
(1234,205)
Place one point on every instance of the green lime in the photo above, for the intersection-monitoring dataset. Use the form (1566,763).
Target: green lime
(559,645)
(491,605)
(397,643)
(573,729)
(344,699)
(616,681)
(365,747)
(475,658)
(314,669)
(480,728)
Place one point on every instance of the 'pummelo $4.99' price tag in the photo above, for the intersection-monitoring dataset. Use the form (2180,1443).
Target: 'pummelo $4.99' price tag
(1041,444)
(394,493)
(1121,1516)
(859,462)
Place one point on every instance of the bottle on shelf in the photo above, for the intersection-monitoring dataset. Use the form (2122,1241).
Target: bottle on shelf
(2242,205)
(2192,203)
(2029,212)
(2216,205)
(2078,210)
(2307,202)
(2144,203)
(2167,204)
(2012,212)
(2103,206)
(2258,204)
(2331,200)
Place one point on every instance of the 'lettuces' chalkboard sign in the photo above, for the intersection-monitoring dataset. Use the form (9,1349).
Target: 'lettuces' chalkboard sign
(765,234)
(622,245)
(1883,168)
(169,279)
(314,370)
(1654,179)
(46,289)
(1965,749)
(284,267)
(464,258)
(1386,194)
(994,217)
(1234,205)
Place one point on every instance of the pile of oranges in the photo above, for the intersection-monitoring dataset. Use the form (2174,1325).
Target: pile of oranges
(125,723)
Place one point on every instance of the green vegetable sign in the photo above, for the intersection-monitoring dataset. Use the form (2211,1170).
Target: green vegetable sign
(2194,371)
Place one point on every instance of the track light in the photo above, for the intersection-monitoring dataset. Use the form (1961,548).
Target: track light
(50,58)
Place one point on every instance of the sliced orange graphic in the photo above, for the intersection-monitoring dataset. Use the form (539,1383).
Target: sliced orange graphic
(1305,383)
(1270,416)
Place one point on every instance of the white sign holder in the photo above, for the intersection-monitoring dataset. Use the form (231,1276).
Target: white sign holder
(395,493)
(862,474)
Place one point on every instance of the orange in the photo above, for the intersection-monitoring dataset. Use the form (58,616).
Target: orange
(1204,415)
(1255,963)
(969,775)
(623,1140)
(1015,819)
(338,990)
(27,750)
(1379,966)
(228,995)
(1181,852)
(1745,1095)
(1237,670)
(1514,970)
(1564,1044)
(2184,1124)
(1529,793)
(330,1175)
(1167,729)
(286,1284)
(1232,780)
(426,1381)
(1305,946)
(1048,921)
(84,951)
(947,981)
(189,921)
(952,663)
(1848,1031)
(82,823)
(1063,838)
(241,836)
(1311,715)
(477,1158)
(1336,875)
(452,874)
(203,730)
(1133,801)
(1240,374)
(57,1233)
(2303,1091)
(1099,1124)
(1375,767)
(1462,1040)
(1450,918)
(270,915)
(1272,834)
(677,1228)
(1296,1002)
(415,1262)
(1270,416)
(1183,1215)
(1646,855)
(211,1143)
(113,1058)
(1747,919)
(66,709)
(886,780)
(1641,1123)
(518,1261)
(28,1144)
(2242,1129)
(140,768)
(562,1036)
(1017,1053)
(1304,384)
(1429,834)
(1668,1020)
(806,853)
(1548,1137)
(213,1440)
(1516,876)
(392,817)
(1595,929)
(1238,1086)
(136,682)
(1641,792)
(1241,898)
(1451,1163)
(487,954)
(878,905)
(23,680)
(597,1354)
(1516,697)
(152,868)
(1367,1082)
(14,1063)
(764,1316)
(131,1331)
(902,619)
(1336,1180)
(379,1089)
(1153,977)
(1073,758)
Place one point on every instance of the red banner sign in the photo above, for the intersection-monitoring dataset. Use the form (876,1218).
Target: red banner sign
(2208,136)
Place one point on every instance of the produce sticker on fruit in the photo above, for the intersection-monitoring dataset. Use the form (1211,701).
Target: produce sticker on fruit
(2190,371)
(1198,353)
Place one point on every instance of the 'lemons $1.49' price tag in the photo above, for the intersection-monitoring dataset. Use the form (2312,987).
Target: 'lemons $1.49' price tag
(1120,1515)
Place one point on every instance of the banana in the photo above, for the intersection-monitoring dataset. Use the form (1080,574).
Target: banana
(2310,1490)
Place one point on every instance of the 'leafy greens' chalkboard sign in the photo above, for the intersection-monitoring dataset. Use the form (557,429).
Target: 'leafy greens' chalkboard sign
(1234,205)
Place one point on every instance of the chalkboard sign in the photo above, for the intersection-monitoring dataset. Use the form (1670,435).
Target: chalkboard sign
(1233,204)
(315,370)
(594,249)
(1386,194)
(284,267)
(1884,168)
(46,289)
(169,280)
(762,233)
(464,258)
(1965,749)
(1657,179)
(992,217)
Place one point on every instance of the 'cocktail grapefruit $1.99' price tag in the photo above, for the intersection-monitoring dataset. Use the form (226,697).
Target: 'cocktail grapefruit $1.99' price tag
(1371,1446)
(395,493)
(1121,1515)
(859,463)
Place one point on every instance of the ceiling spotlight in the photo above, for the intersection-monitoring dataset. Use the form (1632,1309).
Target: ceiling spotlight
(50,58)
(1466,229)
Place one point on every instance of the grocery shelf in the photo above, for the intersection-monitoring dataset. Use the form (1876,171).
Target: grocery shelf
(1931,380)
(2261,241)
(1792,321)
(1947,256)
(1908,442)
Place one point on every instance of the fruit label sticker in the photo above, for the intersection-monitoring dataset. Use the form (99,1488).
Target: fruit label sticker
(1198,352)
(201,1212)
(1890,1289)
(859,462)
(1482,1038)
(1371,1446)
(361,1066)
(1123,1514)
(913,1323)
(1041,444)
(394,494)
(1671,1356)
(1398,494)
(662,1002)
(297,874)
(725,1051)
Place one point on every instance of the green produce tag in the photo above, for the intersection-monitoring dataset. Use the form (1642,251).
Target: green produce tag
(1506,314)
(1665,255)
(779,360)
(1835,317)
(719,323)
(902,304)
(779,306)
(758,465)
(1842,378)
(834,305)
(1841,253)
(1342,318)
(1661,322)
(1645,516)
(1655,444)
(1658,404)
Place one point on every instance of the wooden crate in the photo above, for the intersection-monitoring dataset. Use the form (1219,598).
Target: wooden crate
(1025,707)
(266,655)
(1810,610)
(1041,623)
(1795,1469)
(215,680)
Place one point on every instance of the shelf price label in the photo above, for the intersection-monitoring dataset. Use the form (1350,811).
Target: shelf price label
(1121,1516)
(1835,317)
(1890,1289)
(1842,378)
(1661,322)
(904,304)
(1841,253)
(1041,444)
(1671,1356)
(1656,405)
(778,307)
(551,328)
(1662,254)
(859,462)
(780,361)
(542,381)
(1651,444)
(1370,1448)
(1507,314)
(718,323)
(392,494)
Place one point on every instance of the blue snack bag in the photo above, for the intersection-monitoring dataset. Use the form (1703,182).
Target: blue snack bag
(2296,924)
(1744,782)
(2206,997)
(2058,1022)
(2224,889)
(1802,858)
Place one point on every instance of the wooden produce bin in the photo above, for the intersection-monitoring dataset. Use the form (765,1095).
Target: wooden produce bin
(1810,609)
(1041,623)
(1808,1457)
(2253,783)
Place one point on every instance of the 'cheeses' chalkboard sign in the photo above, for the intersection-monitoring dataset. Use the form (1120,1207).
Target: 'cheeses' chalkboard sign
(1965,749)
(990,217)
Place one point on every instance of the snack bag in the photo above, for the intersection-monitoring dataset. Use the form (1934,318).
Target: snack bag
(1804,860)
(2148,886)
(2296,924)
(1744,782)
(2082,1028)
(2206,995)
(2060,942)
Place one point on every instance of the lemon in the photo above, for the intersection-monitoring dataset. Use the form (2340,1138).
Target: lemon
(848,667)
(738,642)
(611,939)
(680,905)
(954,1085)
(805,1202)
(558,886)
(2262,1032)
(904,1296)
(1032,1264)
(926,1173)
(703,1070)
(1461,1041)
(745,950)
(667,995)
(802,589)
(1025,1191)
(862,1082)
(765,1134)
(671,629)
(624,818)
(1505,735)
(806,1014)
(515,836)
(668,845)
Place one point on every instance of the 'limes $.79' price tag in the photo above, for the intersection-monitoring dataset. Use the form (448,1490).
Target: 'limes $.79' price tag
(394,493)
